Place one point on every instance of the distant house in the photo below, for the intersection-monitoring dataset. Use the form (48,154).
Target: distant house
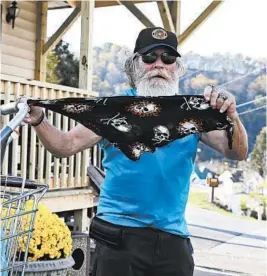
(202,174)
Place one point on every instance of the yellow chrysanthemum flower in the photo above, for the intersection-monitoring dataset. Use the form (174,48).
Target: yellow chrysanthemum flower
(51,237)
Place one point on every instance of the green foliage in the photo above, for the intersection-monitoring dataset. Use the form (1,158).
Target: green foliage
(201,199)
(52,61)
(262,184)
(252,202)
(258,154)
(243,202)
(68,68)
(259,197)
(258,86)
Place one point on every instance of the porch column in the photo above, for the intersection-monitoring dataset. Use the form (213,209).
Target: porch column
(85,82)
(41,32)
(175,9)
(86,48)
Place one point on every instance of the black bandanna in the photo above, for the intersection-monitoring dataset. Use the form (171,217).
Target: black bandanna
(137,125)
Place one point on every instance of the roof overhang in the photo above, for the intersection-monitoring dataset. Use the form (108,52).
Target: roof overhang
(52,5)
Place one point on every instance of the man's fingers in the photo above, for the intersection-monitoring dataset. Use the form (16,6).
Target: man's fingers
(22,100)
(211,95)
(219,103)
(225,105)
(27,120)
(207,92)
(219,98)
(213,99)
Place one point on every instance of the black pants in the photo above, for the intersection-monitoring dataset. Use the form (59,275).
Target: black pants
(142,252)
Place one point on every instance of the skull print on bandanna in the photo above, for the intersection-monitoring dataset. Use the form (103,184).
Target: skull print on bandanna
(190,126)
(138,149)
(139,125)
(162,133)
(144,108)
(77,108)
(195,103)
(120,123)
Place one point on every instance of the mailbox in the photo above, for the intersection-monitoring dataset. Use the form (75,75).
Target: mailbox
(213,182)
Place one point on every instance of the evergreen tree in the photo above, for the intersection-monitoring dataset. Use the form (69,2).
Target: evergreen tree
(68,67)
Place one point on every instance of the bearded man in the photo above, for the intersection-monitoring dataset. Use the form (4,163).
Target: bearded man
(140,227)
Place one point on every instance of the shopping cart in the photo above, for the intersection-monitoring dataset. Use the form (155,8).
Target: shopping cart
(18,203)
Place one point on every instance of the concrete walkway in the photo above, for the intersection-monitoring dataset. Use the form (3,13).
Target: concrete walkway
(227,244)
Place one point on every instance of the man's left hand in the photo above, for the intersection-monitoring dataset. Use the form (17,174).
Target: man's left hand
(222,100)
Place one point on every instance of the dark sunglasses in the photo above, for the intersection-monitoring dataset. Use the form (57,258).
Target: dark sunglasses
(166,58)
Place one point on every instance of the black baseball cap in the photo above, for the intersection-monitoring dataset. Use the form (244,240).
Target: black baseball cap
(151,38)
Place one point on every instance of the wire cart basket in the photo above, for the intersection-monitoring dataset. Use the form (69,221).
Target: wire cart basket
(19,201)
(18,204)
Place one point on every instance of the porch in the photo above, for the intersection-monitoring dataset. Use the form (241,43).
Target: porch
(69,185)
(25,49)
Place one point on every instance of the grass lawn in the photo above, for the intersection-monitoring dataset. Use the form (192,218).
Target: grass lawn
(201,199)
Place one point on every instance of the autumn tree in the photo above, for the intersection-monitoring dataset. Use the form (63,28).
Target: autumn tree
(259,84)
(52,61)
(244,77)
(258,154)
(201,81)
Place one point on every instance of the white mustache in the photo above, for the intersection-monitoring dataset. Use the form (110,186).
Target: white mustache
(155,73)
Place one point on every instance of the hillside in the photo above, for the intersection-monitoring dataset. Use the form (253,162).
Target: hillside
(243,76)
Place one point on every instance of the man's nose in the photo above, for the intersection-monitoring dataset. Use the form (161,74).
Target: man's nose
(158,63)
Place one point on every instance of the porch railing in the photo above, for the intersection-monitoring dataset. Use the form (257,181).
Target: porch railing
(27,157)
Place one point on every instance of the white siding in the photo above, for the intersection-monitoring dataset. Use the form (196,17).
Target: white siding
(18,44)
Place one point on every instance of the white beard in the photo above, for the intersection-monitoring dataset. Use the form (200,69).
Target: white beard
(156,87)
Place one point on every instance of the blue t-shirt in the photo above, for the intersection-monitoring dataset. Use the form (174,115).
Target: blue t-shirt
(152,191)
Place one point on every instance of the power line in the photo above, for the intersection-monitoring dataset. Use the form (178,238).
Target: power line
(241,77)
(253,101)
(199,70)
(251,110)
(187,76)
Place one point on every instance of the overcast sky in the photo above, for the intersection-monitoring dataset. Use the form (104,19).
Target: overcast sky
(237,26)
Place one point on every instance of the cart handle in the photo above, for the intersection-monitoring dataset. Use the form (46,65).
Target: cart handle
(16,182)
(15,107)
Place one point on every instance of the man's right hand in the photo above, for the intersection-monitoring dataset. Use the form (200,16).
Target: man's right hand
(35,113)
(60,143)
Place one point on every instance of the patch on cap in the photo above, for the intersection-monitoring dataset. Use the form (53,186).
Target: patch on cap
(159,34)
